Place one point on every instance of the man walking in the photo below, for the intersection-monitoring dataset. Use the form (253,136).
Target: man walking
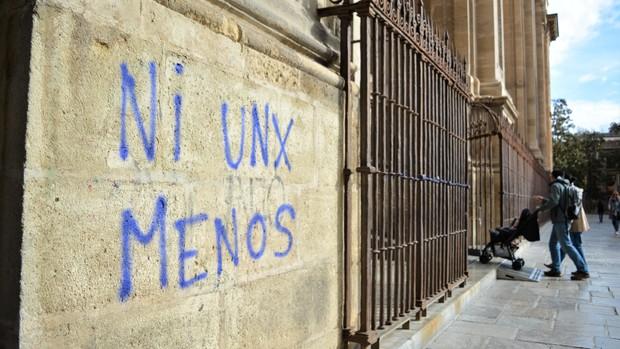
(558,204)
(578,226)
(600,209)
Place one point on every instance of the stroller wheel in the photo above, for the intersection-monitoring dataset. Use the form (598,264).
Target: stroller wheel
(486,256)
(518,263)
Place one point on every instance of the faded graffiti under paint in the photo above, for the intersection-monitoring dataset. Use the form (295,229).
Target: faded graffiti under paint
(227,246)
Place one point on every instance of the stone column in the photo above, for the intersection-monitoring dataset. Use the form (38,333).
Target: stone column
(489,47)
(532,77)
(541,48)
(515,58)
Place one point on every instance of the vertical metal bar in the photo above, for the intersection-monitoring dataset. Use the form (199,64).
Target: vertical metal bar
(345,72)
(503,176)
(408,84)
(375,151)
(396,173)
(414,172)
(442,186)
(401,179)
(428,277)
(436,264)
(450,176)
(463,179)
(420,277)
(389,170)
(381,167)
(366,183)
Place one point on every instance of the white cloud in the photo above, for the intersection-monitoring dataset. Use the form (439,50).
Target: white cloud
(587,78)
(578,22)
(601,74)
(594,115)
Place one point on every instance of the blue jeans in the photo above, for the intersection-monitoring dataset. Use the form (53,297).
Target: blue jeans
(559,242)
(575,238)
(615,222)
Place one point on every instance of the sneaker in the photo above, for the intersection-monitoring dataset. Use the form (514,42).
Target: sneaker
(553,273)
(550,265)
(580,275)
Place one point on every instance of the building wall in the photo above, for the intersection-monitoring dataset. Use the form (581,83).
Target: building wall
(507,46)
(15,32)
(182,177)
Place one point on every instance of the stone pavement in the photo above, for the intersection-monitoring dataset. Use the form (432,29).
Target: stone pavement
(554,313)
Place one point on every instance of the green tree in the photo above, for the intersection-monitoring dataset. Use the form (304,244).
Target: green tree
(562,124)
(566,152)
(576,153)
(614,128)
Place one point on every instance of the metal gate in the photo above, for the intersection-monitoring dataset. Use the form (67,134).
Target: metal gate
(523,177)
(414,105)
(505,176)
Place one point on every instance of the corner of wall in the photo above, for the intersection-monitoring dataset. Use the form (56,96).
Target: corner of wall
(15,44)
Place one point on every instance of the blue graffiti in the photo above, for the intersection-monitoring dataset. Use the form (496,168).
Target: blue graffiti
(221,235)
(129,228)
(256,219)
(128,90)
(226,234)
(234,164)
(178,103)
(256,134)
(179,69)
(184,254)
(282,141)
(260,138)
(286,208)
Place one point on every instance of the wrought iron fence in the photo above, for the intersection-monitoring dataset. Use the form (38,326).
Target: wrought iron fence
(505,175)
(414,106)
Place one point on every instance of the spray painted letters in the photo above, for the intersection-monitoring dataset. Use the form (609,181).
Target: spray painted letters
(256,233)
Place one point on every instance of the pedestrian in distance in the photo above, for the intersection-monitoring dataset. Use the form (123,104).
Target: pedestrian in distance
(600,209)
(558,204)
(614,211)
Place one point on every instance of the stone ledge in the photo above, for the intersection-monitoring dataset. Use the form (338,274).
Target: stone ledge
(481,277)
(440,316)
(299,25)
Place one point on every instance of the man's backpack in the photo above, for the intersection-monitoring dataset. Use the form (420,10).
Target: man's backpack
(570,202)
(573,201)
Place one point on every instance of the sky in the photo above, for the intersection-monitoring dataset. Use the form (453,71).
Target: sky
(585,61)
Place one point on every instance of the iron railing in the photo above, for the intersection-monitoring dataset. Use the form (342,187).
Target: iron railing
(414,105)
(505,175)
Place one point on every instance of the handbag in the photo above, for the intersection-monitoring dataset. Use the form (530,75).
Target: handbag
(580,224)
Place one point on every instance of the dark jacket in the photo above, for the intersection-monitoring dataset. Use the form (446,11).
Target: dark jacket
(614,207)
(555,201)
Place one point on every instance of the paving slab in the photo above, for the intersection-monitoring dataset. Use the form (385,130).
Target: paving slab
(553,313)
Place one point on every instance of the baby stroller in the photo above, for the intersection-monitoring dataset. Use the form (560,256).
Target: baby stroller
(504,241)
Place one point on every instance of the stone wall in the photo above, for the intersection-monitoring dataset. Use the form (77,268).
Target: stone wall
(182,179)
(15,32)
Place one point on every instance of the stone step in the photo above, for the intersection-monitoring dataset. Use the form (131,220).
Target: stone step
(440,315)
